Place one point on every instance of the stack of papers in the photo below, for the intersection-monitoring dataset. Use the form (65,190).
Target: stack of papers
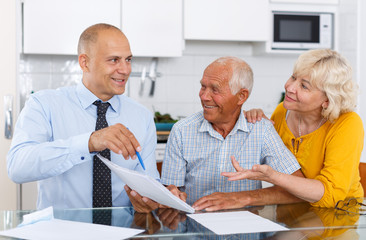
(147,186)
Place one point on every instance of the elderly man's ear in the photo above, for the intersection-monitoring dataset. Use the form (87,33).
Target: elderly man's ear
(243,95)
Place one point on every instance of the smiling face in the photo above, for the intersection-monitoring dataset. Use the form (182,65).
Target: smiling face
(301,96)
(220,106)
(106,64)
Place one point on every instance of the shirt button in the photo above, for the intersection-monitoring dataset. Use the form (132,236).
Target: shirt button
(82,158)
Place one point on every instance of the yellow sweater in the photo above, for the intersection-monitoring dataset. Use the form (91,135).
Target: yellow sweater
(331,154)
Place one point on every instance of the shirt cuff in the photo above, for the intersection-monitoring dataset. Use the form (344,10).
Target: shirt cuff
(80,148)
(174,182)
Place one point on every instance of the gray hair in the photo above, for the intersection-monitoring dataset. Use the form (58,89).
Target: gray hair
(242,74)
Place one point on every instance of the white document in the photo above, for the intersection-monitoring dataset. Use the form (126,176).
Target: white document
(223,223)
(61,229)
(42,225)
(148,187)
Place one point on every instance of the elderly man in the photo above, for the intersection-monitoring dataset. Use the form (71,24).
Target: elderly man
(199,147)
(59,132)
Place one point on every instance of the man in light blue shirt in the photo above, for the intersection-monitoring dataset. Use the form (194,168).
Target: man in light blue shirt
(55,139)
(200,147)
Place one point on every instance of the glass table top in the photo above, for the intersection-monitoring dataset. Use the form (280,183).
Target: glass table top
(304,222)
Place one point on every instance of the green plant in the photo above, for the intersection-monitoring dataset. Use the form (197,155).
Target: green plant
(163,118)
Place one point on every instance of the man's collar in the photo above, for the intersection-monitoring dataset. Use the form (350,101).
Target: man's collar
(241,124)
(86,97)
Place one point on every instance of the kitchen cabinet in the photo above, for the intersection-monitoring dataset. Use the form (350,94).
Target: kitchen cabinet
(54,26)
(231,20)
(153,27)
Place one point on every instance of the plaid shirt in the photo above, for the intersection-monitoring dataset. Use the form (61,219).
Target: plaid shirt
(196,155)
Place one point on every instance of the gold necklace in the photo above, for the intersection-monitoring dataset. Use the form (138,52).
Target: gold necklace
(319,124)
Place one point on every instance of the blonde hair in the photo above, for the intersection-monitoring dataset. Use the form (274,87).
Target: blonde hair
(328,71)
(242,74)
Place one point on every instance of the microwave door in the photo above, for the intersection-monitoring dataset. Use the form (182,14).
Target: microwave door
(296,31)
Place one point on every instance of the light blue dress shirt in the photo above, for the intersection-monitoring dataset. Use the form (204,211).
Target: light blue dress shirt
(196,155)
(50,145)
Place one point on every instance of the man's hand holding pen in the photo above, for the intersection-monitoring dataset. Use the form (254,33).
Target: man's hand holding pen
(117,138)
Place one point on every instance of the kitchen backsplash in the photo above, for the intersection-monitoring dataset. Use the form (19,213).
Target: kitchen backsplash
(176,90)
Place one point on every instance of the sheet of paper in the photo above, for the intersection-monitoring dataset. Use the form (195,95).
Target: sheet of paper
(148,187)
(57,229)
(41,215)
(236,222)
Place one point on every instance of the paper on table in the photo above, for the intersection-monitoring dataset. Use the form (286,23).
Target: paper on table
(61,229)
(42,225)
(41,215)
(236,222)
(148,187)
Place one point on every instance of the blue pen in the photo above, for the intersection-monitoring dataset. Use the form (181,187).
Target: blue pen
(139,157)
(140,160)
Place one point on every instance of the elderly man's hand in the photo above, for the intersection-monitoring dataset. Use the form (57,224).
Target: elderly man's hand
(139,203)
(219,200)
(176,192)
(117,138)
(174,189)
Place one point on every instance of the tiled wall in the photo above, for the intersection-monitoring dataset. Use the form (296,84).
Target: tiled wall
(37,72)
(176,91)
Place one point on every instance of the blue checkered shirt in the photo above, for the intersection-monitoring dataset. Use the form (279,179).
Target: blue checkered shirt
(196,155)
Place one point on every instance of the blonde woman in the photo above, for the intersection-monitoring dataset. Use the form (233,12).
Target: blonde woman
(317,123)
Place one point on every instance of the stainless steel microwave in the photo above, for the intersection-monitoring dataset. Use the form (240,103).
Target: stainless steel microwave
(302,30)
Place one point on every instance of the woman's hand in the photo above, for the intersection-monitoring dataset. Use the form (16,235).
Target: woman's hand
(258,172)
(255,115)
(310,190)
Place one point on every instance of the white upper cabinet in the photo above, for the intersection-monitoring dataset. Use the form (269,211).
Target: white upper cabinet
(54,26)
(231,20)
(153,27)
